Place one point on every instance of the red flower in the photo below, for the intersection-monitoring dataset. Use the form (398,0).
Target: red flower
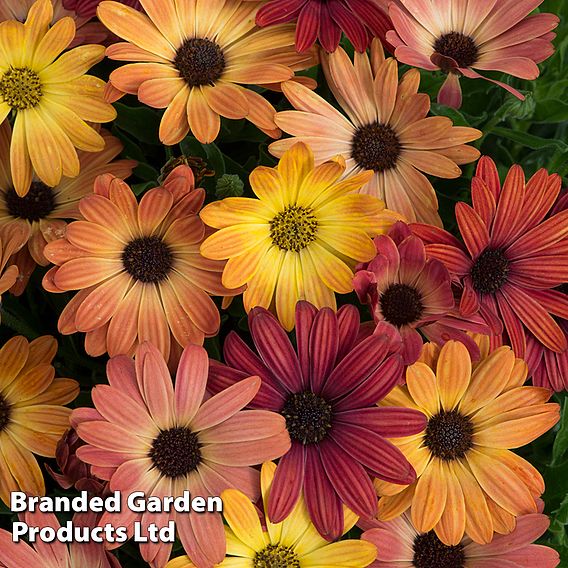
(88,8)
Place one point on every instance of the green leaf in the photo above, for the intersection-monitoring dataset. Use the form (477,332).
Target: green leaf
(442,110)
(141,122)
(561,441)
(529,140)
(551,111)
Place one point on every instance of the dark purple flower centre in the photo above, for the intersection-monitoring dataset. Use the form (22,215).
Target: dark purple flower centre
(401,304)
(276,556)
(449,435)
(147,259)
(461,48)
(37,204)
(490,271)
(5,413)
(431,552)
(308,417)
(375,147)
(176,452)
(200,61)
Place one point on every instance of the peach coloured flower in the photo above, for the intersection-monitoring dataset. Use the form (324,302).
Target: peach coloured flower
(10,243)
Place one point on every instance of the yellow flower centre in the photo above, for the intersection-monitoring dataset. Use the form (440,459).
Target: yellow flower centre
(5,413)
(294,228)
(276,556)
(449,435)
(176,452)
(20,88)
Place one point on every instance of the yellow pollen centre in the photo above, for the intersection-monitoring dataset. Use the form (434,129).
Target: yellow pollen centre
(20,88)
(276,556)
(294,228)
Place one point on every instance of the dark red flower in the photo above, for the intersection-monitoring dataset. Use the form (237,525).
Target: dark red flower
(88,8)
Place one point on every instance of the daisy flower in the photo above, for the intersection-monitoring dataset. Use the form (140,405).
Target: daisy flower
(360,20)
(462,38)
(10,244)
(32,415)
(469,481)
(301,238)
(327,390)
(413,293)
(50,96)
(88,8)
(192,58)
(41,213)
(512,255)
(402,545)
(386,130)
(146,435)
(292,543)
(143,280)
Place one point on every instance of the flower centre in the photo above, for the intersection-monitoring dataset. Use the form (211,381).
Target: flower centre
(200,61)
(459,47)
(5,413)
(449,435)
(431,552)
(375,147)
(308,417)
(294,228)
(489,272)
(276,556)
(37,204)
(176,452)
(401,304)
(147,259)
(20,88)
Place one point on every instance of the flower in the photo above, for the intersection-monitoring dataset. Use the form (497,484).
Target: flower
(413,293)
(147,435)
(41,213)
(327,390)
(386,130)
(32,418)
(360,20)
(306,227)
(51,97)
(55,554)
(485,36)
(193,57)
(88,8)
(294,542)
(401,544)
(512,257)
(144,279)
(469,482)
(10,244)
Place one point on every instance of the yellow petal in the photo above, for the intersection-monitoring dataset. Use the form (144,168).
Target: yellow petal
(453,372)
(243,519)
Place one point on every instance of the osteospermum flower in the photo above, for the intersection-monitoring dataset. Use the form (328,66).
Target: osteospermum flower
(401,545)
(300,239)
(511,257)
(10,244)
(413,293)
(386,130)
(147,435)
(41,213)
(293,543)
(50,96)
(88,8)
(32,415)
(193,57)
(143,280)
(360,20)
(469,480)
(462,38)
(327,390)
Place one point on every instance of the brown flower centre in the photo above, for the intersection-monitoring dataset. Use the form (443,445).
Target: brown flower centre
(5,413)
(490,271)
(200,61)
(276,556)
(20,88)
(375,147)
(37,204)
(449,435)
(176,452)
(147,259)
(401,304)
(294,228)
(308,417)
(459,47)
(431,552)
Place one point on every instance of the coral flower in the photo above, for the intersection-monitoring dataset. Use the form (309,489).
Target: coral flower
(386,130)
(292,543)
(469,482)
(143,280)
(462,38)
(360,20)
(512,256)
(327,390)
(193,57)
(41,213)
(413,293)
(147,435)
(51,97)
(401,545)
(32,418)
(300,239)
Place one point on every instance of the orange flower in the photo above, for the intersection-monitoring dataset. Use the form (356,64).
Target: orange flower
(10,244)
